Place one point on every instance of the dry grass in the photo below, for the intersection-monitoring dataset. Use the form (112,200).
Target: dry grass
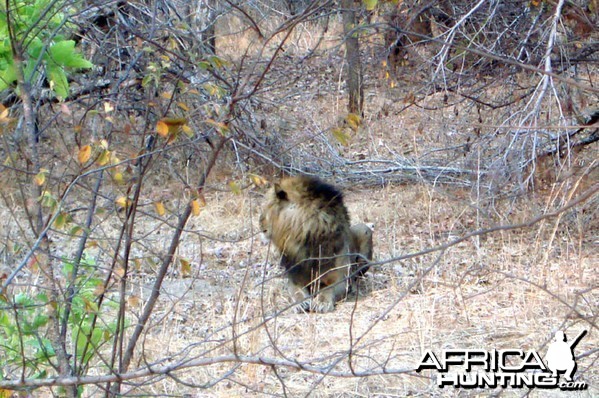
(508,290)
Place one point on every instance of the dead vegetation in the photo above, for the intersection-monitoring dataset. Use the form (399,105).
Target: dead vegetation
(482,183)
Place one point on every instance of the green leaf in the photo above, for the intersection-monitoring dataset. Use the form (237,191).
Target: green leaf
(58,80)
(23,299)
(34,49)
(42,297)
(4,320)
(147,79)
(75,230)
(67,269)
(44,350)
(370,4)
(8,77)
(48,200)
(63,53)
(61,220)
(39,321)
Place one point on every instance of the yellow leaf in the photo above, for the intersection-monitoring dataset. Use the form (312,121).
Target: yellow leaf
(234,187)
(162,129)
(354,121)
(340,136)
(99,289)
(170,125)
(183,106)
(370,4)
(258,181)
(222,127)
(133,301)
(104,144)
(187,130)
(122,202)
(166,95)
(174,121)
(40,178)
(4,114)
(172,137)
(118,177)
(34,263)
(196,208)
(90,306)
(185,267)
(119,271)
(84,154)
(104,158)
(218,62)
(211,88)
(159,206)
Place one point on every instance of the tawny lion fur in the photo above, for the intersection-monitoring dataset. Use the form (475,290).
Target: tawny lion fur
(307,221)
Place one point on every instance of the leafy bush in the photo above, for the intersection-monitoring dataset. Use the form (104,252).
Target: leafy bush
(24,324)
(32,42)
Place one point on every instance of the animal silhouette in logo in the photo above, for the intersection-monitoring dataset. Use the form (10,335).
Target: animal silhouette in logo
(560,355)
(306,220)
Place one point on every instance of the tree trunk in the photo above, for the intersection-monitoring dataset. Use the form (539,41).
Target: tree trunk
(354,65)
(210,33)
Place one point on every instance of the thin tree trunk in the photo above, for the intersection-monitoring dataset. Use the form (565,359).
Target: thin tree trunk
(354,65)
(210,33)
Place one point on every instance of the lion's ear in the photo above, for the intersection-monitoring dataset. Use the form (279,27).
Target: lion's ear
(281,194)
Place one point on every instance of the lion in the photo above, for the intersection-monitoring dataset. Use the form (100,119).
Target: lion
(306,220)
